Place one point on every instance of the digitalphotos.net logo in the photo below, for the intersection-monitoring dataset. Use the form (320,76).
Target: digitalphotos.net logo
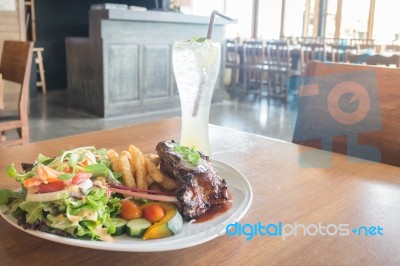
(282,230)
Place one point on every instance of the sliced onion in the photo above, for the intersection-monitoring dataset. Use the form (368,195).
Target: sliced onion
(85,185)
(145,196)
(50,196)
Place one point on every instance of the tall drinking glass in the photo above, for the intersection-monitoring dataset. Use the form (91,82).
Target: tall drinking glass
(196,66)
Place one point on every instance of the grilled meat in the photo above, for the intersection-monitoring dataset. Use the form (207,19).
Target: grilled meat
(200,188)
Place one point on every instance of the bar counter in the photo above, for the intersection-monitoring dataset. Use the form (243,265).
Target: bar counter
(125,65)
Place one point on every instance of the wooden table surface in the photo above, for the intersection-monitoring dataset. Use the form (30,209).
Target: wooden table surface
(355,194)
(1,92)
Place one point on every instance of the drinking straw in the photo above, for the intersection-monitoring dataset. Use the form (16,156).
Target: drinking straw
(211,23)
(209,33)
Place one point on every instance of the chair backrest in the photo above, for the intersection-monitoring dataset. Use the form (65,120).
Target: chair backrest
(363,44)
(392,47)
(357,58)
(341,52)
(14,60)
(370,119)
(232,56)
(253,53)
(311,52)
(15,66)
(278,54)
(379,59)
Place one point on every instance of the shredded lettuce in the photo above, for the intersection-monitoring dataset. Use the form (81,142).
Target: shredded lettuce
(88,217)
(6,195)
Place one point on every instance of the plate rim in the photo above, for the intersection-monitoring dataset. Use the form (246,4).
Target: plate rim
(165,245)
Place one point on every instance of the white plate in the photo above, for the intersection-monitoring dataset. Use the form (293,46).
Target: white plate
(192,234)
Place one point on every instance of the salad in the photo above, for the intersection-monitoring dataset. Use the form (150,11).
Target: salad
(78,194)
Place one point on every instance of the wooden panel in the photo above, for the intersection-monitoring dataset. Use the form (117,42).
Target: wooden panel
(123,69)
(156,70)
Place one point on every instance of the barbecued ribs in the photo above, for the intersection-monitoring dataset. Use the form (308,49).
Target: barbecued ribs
(200,187)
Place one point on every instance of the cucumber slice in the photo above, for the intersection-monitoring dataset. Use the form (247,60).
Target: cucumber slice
(137,227)
(120,226)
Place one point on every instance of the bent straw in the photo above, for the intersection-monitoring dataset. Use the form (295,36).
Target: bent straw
(211,23)
(209,33)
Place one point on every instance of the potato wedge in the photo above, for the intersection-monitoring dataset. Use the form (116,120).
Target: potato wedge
(152,157)
(153,171)
(114,159)
(128,154)
(127,176)
(140,167)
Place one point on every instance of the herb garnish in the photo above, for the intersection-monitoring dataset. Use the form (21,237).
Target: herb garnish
(198,39)
(189,155)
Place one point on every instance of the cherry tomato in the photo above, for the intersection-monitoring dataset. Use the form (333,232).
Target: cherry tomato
(154,213)
(129,210)
(51,187)
(80,177)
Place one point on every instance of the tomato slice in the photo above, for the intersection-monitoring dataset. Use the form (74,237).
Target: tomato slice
(80,177)
(51,187)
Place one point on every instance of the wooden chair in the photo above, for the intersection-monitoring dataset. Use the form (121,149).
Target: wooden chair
(253,66)
(38,52)
(392,48)
(279,68)
(340,52)
(380,107)
(357,58)
(15,66)
(232,61)
(382,60)
(311,52)
(363,44)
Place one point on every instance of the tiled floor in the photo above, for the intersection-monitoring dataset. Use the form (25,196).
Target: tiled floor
(50,118)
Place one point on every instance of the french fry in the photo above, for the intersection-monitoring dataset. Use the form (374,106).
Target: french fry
(153,171)
(168,183)
(154,158)
(140,167)
(114,159)
(129,180)
(127,153)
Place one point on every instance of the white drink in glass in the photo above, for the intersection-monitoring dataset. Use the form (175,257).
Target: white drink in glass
(196,66)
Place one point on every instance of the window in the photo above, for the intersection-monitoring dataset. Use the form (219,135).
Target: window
(241,10)
(269,19)
(354,23)
(294,13)
(386,21)
(331,19)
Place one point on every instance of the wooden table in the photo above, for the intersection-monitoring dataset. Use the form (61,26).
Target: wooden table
(347,193)
(1,92)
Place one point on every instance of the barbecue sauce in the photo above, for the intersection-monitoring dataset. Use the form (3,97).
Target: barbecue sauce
(215,211)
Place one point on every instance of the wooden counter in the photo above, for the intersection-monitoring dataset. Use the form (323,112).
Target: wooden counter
(125,65)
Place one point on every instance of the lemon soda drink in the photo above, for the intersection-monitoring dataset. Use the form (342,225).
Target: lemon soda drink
(196,65)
